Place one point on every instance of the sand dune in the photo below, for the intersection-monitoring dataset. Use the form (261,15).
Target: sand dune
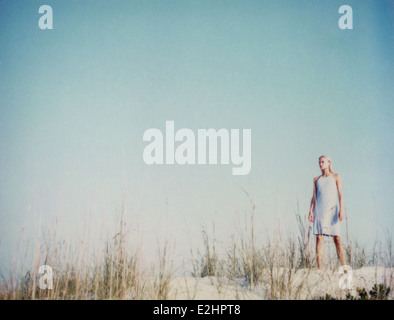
(282,284)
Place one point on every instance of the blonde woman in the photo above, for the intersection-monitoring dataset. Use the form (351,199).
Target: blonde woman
(325,212)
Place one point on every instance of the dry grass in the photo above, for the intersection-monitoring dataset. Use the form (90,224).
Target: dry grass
(278,268)
(281,267)
(82,272)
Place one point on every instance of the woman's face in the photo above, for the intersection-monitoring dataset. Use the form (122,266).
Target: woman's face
(324,163)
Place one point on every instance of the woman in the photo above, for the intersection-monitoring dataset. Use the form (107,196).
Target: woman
(324,213)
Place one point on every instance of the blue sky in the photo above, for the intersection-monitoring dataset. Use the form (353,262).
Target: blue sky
(76,100)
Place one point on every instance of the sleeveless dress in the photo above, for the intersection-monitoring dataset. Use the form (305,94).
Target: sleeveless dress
(326,207)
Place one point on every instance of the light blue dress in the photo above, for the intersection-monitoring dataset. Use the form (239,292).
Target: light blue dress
(326,207)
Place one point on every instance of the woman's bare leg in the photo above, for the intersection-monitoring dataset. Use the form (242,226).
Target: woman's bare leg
(319,251)
(340,251)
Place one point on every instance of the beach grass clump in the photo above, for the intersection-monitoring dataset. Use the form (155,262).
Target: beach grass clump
(81,272)
(277,266)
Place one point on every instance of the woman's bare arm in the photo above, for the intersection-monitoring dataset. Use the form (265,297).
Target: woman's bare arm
(313,201)
(341,213)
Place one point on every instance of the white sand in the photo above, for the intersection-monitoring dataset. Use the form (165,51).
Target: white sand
(281,284)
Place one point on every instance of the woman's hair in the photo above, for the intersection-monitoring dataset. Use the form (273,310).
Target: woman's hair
(329,160)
